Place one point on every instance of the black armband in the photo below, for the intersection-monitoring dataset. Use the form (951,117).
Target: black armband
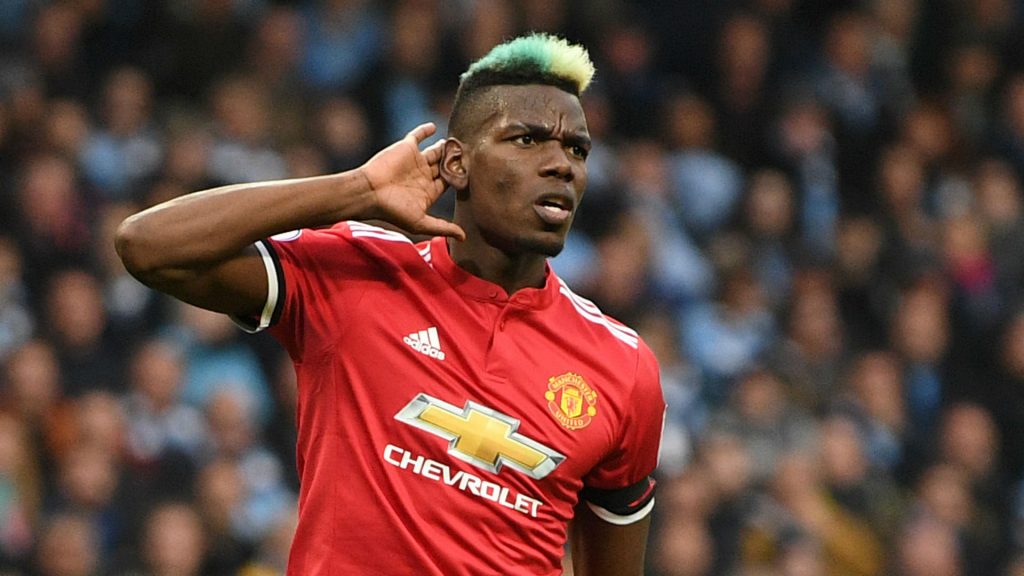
(622,505)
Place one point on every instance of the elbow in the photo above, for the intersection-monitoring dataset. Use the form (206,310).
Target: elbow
(130,243)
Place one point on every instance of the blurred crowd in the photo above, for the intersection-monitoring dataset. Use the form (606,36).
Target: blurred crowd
(812,210)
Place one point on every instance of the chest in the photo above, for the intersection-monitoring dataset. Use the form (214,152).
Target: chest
(503,383)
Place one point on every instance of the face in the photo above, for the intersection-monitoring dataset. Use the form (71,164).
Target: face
(521,176)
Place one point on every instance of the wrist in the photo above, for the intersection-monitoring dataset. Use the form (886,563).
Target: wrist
(359,199)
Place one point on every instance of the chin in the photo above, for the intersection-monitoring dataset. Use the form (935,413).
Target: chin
(547,246)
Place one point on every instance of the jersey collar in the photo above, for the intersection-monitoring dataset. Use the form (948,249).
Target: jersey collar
(477,288)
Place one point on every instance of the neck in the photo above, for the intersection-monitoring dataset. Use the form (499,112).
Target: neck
(512,272)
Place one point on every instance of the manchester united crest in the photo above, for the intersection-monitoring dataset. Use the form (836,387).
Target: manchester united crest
(571,400)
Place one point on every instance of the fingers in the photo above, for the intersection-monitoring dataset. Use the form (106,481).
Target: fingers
(433,152)
(421,132)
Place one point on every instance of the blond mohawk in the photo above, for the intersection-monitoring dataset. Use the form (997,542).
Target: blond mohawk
(538,58)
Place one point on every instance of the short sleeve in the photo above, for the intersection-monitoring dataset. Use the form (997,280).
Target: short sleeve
(624,474)
(311,280)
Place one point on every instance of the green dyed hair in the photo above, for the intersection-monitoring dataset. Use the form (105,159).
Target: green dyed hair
(534,59)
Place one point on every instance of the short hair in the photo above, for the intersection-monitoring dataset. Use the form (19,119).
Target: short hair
(534,59)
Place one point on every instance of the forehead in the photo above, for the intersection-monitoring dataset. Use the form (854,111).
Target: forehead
(536,104)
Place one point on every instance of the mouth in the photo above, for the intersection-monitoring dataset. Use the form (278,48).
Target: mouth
(555,209)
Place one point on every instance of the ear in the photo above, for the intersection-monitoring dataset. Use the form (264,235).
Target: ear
(454,169)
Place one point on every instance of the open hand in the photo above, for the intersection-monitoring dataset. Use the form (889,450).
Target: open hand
(406,181)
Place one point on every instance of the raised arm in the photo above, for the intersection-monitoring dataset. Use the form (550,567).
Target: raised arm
(199,247)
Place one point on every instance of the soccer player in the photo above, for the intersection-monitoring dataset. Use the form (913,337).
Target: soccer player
(459,405)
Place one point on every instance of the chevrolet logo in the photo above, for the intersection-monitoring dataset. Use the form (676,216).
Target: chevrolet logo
(481,436)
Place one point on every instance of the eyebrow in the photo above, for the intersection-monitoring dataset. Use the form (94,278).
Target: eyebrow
(576,138)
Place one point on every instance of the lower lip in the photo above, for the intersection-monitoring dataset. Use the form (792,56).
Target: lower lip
(553,216)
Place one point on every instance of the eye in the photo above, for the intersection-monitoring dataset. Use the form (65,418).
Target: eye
(579,152)
(525,139)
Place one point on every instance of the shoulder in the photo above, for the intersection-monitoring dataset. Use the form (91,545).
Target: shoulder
(345,238)
(613,340)
(593,320)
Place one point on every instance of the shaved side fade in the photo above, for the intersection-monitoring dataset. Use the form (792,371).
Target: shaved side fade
(533,59)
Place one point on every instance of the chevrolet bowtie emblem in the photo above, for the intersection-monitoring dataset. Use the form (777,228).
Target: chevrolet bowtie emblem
(481,436)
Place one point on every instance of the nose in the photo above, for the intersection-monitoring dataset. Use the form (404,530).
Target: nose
(557,163)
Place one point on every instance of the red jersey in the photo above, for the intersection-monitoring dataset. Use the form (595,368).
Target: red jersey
(445,427)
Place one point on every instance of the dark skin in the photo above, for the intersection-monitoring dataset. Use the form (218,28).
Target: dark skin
(518,178)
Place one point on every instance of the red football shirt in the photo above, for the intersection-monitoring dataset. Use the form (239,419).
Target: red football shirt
(446,427)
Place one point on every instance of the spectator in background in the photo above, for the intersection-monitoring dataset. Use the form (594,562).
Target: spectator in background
(626,57)
(805,144)
(726,337)
(404,87)
(32,390)
(17,322)
(20,494)
(928,548)
(943,495)
(52,220)
(68,128)
(342,130)
(234,438)
(769,215)
(811,353)
(173,541)
(1008,137)
(798,506)
(740,95)
(220,495)
(165,437)
(273,61)
(760,417)
(272,555)
(862,290)
(88,480)
(76,321)
(998,200)
(873,395)
(867,492)
(1008,394)
(68,546)
(243,149)
(126,149)
(730,475)
(921,335)
(216,359)
(968,441)
(342,43)
(707,185)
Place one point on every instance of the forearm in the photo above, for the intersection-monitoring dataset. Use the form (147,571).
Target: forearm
(208,227)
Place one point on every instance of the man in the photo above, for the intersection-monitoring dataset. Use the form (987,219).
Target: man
(456,399)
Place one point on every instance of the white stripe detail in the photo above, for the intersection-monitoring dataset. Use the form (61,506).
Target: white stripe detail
(273,290)
(613,518)
(363,225)
(363,230)
(432,337)
(590,312)
(389,236)
(425,254)
(593,309)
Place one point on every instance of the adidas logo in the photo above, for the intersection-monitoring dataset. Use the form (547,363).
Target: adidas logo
(425,342)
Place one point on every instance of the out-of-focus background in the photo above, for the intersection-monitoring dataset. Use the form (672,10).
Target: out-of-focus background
(811,209)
